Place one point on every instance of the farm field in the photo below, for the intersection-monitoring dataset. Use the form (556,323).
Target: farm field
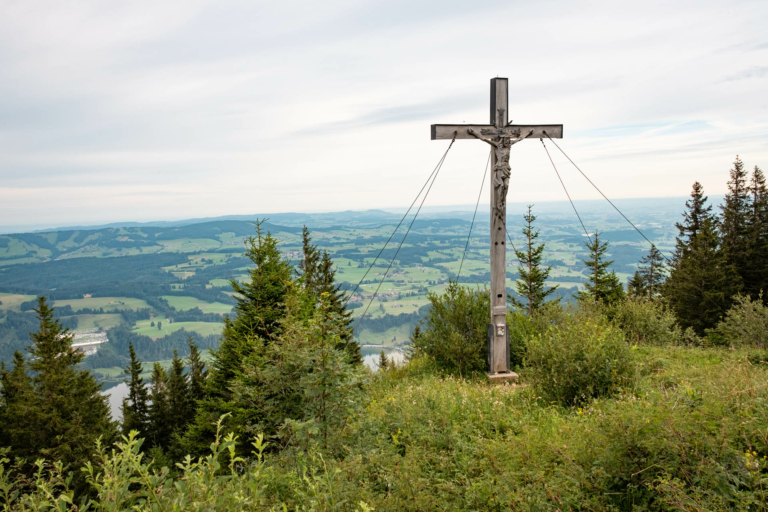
(105,321)
(202,328)
(108,303)
(186,303)
(13,301)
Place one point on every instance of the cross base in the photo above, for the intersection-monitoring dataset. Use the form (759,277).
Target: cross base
(502,378)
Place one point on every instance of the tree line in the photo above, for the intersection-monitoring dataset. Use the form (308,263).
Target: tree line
(718,257)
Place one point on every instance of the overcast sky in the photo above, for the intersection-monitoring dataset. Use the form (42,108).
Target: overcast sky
(138,111)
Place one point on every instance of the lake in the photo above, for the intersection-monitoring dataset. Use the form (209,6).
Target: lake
(117,392)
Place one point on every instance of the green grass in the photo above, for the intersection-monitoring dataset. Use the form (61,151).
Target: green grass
(182,303)
(425,440)
(108,303)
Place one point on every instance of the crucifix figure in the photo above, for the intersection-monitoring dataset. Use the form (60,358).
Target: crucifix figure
(501,169)
(501,136)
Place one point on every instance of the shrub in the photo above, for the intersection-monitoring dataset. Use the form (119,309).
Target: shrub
(745,324)
(582,356)
(646,322)
(455,330)
(523,327)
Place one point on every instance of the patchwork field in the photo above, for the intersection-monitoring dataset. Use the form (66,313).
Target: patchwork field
(13,301)
(187,303)
(108,303)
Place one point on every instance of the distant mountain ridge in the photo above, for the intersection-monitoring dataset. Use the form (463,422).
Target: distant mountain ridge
(363,218)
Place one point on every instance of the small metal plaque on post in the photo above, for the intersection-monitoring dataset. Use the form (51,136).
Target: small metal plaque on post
(501,329)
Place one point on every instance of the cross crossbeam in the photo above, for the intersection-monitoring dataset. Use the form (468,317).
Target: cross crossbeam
(539,131)
(501,136)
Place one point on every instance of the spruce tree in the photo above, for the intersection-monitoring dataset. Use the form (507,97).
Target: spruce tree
(197,374)
(533,278)
(159,427)
(178,396)
(735,214)
(257,321)
(16,396)
(333,298)
(309,265)
(697,211)
(383,363)
(756,271)
(701,285)
(135,408)
(63,411)
(648,278)
(601,286)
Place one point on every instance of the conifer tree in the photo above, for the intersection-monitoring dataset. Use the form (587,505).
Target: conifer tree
(197,374)
(601,285)
(383,363)
(15,398)
(64,412)
(178,396)
(309,265)
(697,212)
(135,408)
(756,271)
(648,278)
(533,278)
(735,214)
(257,320)
(158,430)
(333,298)
(701,285)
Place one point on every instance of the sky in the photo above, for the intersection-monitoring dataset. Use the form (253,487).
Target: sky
(161,110)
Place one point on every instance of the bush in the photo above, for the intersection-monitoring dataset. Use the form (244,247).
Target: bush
(455,330)
(523,327)
(647,322)
(580,357)
(745,324)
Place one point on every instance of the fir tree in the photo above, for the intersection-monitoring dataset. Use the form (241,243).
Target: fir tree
(257,321)
(533,278)
(383,363)
(601,285)
(158,429)
(648,278)
(309,265)
(697,212)
(756,271)
(64,412)
(135,408)
(177,396)
(330,292)
(735,214)
(16,397)
(197,374)
(702,283)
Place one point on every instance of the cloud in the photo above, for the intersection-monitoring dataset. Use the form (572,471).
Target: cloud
(156,109)
(753,72)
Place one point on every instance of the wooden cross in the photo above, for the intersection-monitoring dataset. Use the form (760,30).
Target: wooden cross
(501,136)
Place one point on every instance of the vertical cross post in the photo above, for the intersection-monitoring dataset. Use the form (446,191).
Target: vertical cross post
(498,357)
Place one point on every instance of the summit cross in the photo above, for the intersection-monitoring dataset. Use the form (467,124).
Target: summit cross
(500,135)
